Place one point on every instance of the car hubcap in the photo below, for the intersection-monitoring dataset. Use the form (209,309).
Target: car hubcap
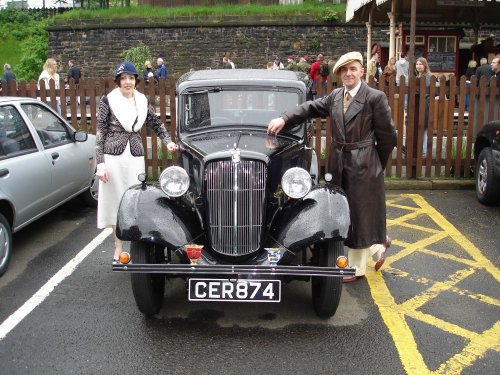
(483,174)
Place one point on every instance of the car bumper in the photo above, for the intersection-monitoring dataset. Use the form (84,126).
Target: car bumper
(233,270)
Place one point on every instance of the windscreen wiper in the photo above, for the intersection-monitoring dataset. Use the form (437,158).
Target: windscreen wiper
(206,91)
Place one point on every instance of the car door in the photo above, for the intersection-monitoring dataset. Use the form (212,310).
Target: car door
(70,161)
(25,173)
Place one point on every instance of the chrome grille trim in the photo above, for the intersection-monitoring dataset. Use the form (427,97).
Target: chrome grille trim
(235,202)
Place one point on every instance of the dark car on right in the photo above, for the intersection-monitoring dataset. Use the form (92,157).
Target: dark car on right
(487,156)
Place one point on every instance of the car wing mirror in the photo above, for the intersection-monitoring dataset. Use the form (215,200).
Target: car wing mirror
(80,136)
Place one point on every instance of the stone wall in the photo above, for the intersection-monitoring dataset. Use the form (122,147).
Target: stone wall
(184,44)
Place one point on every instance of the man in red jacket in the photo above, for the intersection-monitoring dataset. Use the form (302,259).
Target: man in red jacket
(315,71)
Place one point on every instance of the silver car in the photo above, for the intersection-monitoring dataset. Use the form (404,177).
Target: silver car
(44,162)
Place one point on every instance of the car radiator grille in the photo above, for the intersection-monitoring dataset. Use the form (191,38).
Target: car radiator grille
(235,197)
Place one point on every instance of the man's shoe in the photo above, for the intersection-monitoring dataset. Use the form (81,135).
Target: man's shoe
(349,279)
(381,258)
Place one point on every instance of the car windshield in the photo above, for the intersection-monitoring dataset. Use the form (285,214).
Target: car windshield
(232,107)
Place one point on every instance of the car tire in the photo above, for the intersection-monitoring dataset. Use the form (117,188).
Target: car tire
(326,291)
(90,196)
(148,289)
(487,185)
(5,244)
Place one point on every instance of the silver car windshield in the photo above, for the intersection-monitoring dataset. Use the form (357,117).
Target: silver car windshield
(222,107)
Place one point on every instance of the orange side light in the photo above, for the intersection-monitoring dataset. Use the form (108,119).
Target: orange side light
(124,257)
(342,262)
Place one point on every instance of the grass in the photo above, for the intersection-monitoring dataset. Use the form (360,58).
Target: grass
(318,10)
(9,50)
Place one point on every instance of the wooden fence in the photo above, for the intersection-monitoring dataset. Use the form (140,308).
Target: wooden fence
(451,127)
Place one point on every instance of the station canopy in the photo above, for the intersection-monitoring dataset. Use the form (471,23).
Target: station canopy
(473,13)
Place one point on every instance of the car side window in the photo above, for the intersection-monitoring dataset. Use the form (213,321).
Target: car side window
(49,127)
(15,137)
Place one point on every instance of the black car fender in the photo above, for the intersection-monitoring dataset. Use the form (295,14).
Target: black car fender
(147,214)
(321,215)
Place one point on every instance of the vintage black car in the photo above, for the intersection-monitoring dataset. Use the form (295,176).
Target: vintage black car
(487,156)
(242,214)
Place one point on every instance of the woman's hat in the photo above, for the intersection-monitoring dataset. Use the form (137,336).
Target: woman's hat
(347,59)
(126,67)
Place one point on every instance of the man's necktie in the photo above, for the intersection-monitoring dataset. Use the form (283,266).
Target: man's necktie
(347,100)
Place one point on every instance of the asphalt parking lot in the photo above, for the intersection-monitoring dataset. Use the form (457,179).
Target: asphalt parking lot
(436,287)
(433,308)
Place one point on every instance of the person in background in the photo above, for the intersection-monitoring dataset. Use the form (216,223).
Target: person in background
(495,67)
(390,69)
(471,71)
(148,74)
(403,70)
(74,72)
(292,64)
(363,137)
(278,65)
(225,63)
(484,69)
(269,65)
(8,76)
(161,72)
(231,63)
(50,72)
(304,66)
(402,67)
(119,149)
(373,68)
(315,72)
(424,72)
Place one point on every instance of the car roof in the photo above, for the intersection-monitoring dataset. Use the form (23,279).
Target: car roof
(242,77)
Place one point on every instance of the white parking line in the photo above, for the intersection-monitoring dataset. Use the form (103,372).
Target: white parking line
(16,318)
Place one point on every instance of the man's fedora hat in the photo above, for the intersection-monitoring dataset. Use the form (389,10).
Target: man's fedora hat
(347,59)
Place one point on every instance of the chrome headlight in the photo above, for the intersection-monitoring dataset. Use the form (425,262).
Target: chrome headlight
(174,181)
(296,182)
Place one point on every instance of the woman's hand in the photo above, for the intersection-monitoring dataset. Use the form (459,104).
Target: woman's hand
(171,146)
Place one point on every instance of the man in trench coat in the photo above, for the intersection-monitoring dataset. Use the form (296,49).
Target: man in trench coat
(363,138)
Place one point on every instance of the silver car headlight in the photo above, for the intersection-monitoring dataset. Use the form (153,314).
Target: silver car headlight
(296,182)
(174,181)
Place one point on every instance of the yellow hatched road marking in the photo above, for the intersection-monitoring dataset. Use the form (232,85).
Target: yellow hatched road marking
(394,314)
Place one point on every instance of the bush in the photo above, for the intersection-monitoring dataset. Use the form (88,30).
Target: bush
(34,53)
(137,55)
(27,32)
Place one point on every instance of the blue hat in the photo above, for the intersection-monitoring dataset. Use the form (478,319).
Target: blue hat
(126,67)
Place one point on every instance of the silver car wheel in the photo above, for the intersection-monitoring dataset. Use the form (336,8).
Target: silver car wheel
(483,176)
(5,244)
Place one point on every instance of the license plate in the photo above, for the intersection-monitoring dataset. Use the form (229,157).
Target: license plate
(245,290)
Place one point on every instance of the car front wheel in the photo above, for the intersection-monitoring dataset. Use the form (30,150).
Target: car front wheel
(5,244)
(326,291)
(148,288)
(487,185)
